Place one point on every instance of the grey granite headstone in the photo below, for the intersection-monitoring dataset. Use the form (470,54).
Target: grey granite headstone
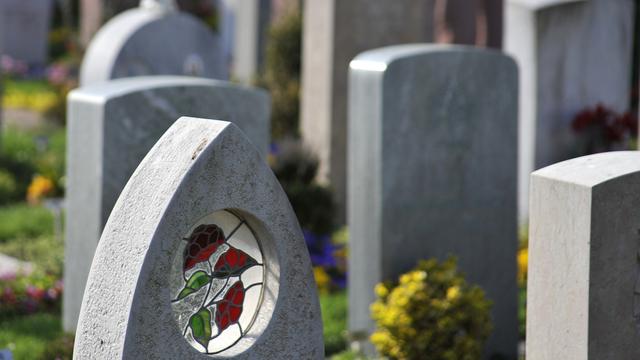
(572,54)
(202,253)
(583,293)
(111,127)
(432,173)
(334,32)
(153,39)
(24,29)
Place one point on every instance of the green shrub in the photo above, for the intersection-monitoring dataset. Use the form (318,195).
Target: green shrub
(23,158)
(282,75)
(28,336)
(334,319)
(296,167)
(8,187)
(60,348)
(22,221)
(431,313)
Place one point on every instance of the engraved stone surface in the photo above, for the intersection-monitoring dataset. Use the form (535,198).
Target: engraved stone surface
(584,244)
(111,127)
(153,39)
(432,172)
(199,182)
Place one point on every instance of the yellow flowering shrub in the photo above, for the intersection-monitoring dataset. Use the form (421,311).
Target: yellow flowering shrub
(323,280)
(39,188)
(523,263)
(431,313)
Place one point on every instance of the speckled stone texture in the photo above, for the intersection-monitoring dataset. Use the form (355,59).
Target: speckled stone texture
(583,294)
(198,167)
(432,172)
(111,127)
(153,39)
(572,54)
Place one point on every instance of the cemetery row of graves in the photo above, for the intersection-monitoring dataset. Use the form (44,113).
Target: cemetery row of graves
(170,213)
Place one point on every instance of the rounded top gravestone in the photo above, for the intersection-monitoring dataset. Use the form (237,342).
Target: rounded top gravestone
(153,39)
(202,257)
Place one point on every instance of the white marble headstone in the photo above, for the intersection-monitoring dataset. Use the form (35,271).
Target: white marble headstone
(583,291)
(202,257)
(153,39)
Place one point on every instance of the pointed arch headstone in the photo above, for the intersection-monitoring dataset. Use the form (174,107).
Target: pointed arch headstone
(202,254)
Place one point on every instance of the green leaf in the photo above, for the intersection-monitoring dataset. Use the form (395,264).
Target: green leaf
(200,324)
(197,280)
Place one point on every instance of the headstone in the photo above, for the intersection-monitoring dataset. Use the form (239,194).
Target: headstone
(432,173)
(153,39)
(335,31)
(24,29)
(91,13)
(583,293)
(251,27)
(202,254)
(111,127)
(561,75)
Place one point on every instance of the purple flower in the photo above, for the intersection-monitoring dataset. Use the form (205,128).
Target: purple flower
(57,74)
(34,292)
(274,149)
(29,306)
(321,249)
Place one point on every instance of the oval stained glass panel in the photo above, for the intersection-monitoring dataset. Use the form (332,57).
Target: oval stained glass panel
(217,282)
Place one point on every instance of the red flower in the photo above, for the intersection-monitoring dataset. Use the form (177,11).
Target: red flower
(202,243)
(229,309)
(232,263)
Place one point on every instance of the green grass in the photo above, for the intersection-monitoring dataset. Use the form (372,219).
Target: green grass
(46,252)
(522,312)
(334,318)
(28,336)
(21,221)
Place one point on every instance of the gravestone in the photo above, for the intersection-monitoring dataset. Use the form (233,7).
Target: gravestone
(24,29)
(251,26)
(153,39)
(201,255)
(561,75)
(583,293)
(111,127)
(334,31)
(432,173)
